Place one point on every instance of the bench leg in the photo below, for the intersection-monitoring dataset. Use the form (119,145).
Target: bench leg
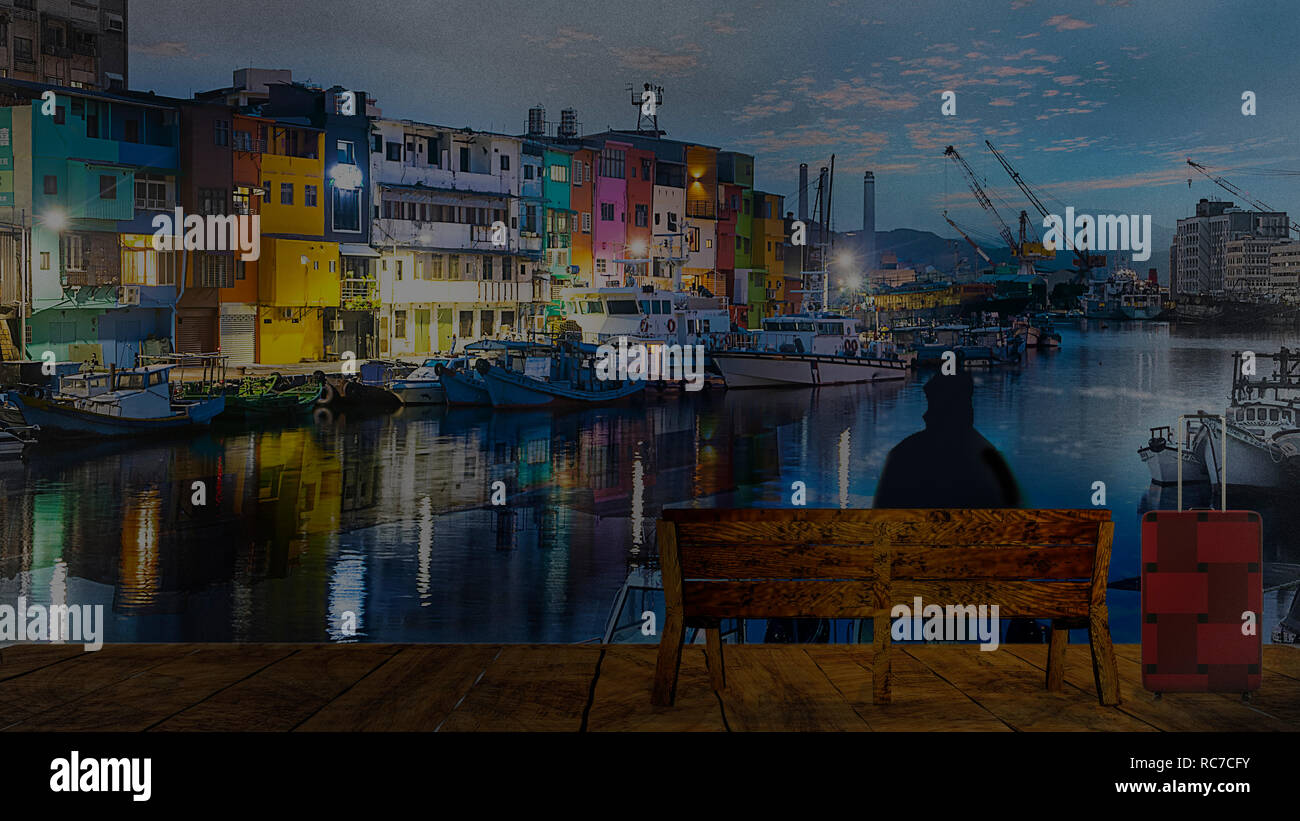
(670,661)
(1105,672)
(713,646)
(880,664)
(1056,655)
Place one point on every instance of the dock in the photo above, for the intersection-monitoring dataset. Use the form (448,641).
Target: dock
(598,688)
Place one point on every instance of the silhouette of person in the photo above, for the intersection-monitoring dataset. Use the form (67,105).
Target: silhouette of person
(951,464)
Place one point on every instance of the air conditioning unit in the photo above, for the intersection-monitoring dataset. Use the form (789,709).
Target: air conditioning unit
(129,294)
(286,313)
(336,325)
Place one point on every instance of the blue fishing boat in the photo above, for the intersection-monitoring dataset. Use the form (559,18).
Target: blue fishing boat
(119,403)
(464,385)
(531,378)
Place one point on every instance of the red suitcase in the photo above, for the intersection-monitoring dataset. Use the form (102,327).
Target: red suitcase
(1202,593)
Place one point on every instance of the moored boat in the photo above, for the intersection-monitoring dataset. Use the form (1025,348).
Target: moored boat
(801,350)
(568,375)
(15,439)
(119,403)
(421,386)
(1161,455)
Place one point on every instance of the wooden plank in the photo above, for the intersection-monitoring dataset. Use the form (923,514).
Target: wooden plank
(674,632)
(284,694)
(622,698)
(20,659)
(908,527)
(50,686)
(881,639)
(855,599)
(530,688)
(1103,654)
(414,691)
(1012,689)
(1279,658)
(776,687)
(819,561)
(1181,712)
(163,690)
(921,701)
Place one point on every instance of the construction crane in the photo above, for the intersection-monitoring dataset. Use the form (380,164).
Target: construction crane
(1237,192)
(957,228)
(1027,252)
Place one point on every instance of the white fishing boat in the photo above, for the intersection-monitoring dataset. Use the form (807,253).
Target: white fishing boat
(15,439)
(645,313)
(1161,455)
(421,386)
(805,350)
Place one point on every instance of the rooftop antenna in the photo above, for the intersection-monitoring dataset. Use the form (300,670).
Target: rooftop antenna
(647,101)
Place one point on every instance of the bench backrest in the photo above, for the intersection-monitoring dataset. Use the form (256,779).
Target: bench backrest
(827,563)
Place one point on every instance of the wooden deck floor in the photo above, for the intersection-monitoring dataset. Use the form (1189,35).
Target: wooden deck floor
(379,687)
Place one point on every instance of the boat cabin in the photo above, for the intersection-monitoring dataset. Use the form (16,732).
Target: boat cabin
(84,385)
(645,312)
(809,333)
(137,393)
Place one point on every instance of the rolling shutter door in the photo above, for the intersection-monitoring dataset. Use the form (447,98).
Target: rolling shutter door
(237,341)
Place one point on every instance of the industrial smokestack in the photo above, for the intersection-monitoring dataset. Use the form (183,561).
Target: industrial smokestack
(803,192)
(869,220)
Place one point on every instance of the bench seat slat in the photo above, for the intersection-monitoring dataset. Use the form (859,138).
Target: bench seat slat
(953,534)
(859,599)
(1009,562)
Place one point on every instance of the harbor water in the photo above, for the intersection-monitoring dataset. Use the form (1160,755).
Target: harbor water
(390,516)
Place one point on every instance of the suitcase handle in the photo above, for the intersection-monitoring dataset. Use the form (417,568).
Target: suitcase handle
(1223,455)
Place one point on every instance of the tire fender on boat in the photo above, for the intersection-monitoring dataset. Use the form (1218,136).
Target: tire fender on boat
(483,366)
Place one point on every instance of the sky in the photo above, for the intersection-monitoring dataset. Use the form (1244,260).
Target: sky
(1098,103)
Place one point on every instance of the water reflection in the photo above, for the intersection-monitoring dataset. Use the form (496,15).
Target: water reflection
(389,518)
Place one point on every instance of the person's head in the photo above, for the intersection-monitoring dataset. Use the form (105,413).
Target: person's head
(950,401)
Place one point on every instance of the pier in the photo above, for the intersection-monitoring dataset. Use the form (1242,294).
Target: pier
(599,688)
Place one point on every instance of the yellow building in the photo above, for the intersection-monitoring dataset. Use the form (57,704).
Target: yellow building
(298,271)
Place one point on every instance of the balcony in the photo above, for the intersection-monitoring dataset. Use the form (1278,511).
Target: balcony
(703,209)
(359,294)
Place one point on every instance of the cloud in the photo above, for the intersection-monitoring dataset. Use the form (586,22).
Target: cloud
(1002,101)
(1064,22)
(856,93)
(652,60)
(167,48)
(722,23)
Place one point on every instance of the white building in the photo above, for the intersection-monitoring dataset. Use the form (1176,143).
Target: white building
(1200,243)
(1246,266)
(1284,270)
(447,277)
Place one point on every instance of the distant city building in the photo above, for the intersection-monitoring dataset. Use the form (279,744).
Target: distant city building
(72,43)
(1199,256)
(1246,266)
(1284,270)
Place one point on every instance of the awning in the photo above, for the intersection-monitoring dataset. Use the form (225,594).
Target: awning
(352,249)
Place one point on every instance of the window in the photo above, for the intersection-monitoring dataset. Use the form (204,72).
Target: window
(51,184)
(286,193)
(346,152)
(131,131)
(488,267)
(394,152)
(505,162)
(435,267)
(672,223)
(577,172)
(347,209)
(645,168)
(399,324)
(398,274)
(221,132)
(600,266)
(75,252)
(213,271)
(559,173)
(107,187)
(464,158)
(528,172)
(612,161)
(642,216)
(45,260)
(212,200)
(23,49)
(586,222)
(607,212)
(453,266)
(309,196)
(377,145)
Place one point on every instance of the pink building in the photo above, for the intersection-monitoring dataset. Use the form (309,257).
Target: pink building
(609,217)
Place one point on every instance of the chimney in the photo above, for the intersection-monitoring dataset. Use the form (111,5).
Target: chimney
(803,192)
(869,220)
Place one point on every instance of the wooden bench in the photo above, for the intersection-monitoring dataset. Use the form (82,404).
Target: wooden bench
(810,563)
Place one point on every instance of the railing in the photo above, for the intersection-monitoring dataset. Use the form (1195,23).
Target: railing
(700,208)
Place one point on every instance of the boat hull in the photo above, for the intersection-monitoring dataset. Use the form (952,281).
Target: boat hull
(1163,464)
(1251,461)
(508,389)
(419,392)
(744,369)
(61,418)
(463,389)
